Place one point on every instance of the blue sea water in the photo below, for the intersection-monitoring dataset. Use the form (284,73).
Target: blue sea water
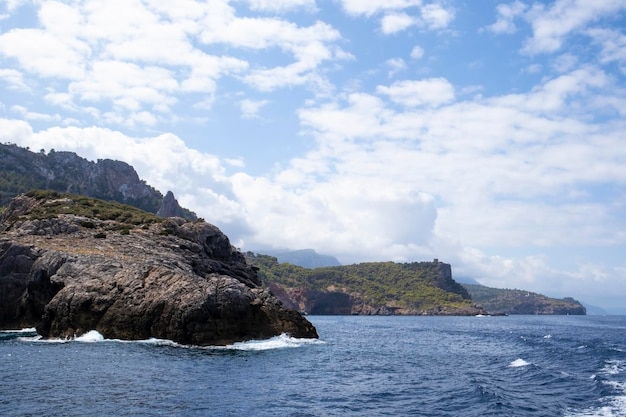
(361,366)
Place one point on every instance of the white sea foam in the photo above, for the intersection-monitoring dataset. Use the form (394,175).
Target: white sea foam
(91,336)
(614,367)
(28,330)
(518,363)
(614,406)
(278,342)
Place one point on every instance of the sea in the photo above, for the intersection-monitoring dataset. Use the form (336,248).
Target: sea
(570,366)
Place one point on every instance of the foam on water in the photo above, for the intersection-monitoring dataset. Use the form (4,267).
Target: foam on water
(28,330)
(278,342)
(91,336)
(518,363)
(283,341)
(615,406)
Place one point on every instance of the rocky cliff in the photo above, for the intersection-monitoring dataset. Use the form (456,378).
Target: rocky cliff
(70,264)
(22,170)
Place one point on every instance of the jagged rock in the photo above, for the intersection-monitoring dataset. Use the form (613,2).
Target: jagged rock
(106,179)
(170,208)
(173,279)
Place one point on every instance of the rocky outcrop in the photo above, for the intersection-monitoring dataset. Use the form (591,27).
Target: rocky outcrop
(173,279)
(22,170)
(170,208)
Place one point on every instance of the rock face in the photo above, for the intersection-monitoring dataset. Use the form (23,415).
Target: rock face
(173,279)
(106,179)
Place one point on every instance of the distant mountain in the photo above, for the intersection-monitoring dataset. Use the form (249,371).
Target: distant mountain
(373,288)
(594,310)
(466,280)
(306,258)
(22,170)
(505,301)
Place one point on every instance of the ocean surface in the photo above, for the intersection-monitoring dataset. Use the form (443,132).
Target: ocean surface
(361,366)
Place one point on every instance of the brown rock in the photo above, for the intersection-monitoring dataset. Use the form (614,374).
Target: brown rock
(174,280)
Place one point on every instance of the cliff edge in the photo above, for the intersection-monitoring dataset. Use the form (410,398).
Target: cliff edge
(70,264)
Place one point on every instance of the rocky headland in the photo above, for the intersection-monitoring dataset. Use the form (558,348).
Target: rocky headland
(511,301)
(374,288)
(70,264)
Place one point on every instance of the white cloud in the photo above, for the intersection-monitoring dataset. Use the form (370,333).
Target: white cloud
(371,7)
(432,16)
(14,79)
(429,92)
(136,60)
(395,66)
(250,108)
(435,16)
(396,22)
(551,25)
(35,116)
(612,42)
(12,5)
(282,5)
(506,16)
(417,52)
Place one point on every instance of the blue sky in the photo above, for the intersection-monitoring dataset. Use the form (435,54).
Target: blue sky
(487,134)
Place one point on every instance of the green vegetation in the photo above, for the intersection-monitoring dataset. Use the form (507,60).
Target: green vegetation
(507,301)
(416,286)
(57,203)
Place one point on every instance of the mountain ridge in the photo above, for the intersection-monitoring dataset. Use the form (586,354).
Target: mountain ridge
(22,170)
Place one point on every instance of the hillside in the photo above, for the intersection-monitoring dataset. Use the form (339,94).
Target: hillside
(424,288)
(22,170)
(505,301)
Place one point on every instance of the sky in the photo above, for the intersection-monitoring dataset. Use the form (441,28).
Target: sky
(488,134)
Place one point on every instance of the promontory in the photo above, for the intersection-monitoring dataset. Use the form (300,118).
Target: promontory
(70,264)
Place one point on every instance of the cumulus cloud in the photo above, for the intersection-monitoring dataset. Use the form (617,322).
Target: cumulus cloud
(396,22)
(507,13)
(612,43)
(371,7)
(551,25)
(429,92)
(14,79)
(398,15)
(140,59)
(282,5)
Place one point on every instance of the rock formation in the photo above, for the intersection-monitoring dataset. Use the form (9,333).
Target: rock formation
(170,278)
(22,170)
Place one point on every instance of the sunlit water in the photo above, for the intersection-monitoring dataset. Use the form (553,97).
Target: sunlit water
(361,366)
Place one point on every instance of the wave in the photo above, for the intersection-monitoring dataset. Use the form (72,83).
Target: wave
(614,405)
(27,330)
(277,342)
(282,341)
(518,363)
